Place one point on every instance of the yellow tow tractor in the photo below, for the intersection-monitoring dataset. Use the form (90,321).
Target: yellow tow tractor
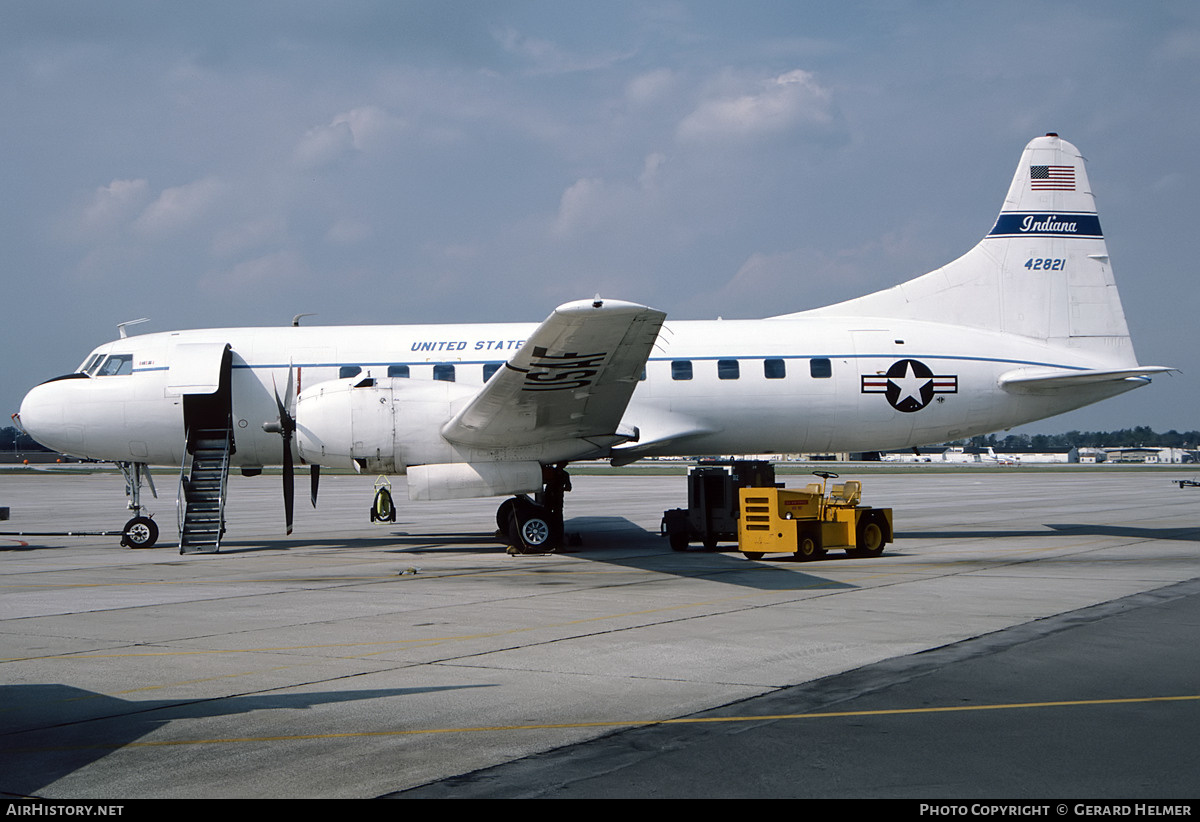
(809,522)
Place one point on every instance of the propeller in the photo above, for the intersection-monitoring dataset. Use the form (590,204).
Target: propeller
(285,426)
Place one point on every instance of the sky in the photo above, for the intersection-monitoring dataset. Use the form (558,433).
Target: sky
(237,163)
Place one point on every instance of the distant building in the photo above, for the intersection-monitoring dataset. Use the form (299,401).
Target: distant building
(1143,454)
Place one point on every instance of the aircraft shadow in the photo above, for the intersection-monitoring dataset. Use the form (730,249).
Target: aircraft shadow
(416,542)
(617,541)
(611,540)
(52,730)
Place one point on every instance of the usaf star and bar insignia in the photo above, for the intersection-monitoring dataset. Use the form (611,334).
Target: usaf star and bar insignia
(909,385)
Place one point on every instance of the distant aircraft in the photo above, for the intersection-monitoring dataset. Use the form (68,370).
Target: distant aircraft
(954,454)
(1025,325)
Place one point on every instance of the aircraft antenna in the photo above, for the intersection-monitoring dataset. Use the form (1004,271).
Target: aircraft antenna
(296,319)
(121,326)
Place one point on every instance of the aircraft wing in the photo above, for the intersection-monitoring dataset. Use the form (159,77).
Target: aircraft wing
(1040,379)
(572,379)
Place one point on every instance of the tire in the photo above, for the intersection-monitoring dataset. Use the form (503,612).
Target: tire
(674,526)
(678,540)
(869,538)
(806,549)
(504,513)
(139,532)
(531,531)
(755,555)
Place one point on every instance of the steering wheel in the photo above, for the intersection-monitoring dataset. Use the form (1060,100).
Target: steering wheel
(825,474)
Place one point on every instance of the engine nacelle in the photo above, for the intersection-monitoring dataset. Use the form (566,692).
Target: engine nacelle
(378,425)
(464,480)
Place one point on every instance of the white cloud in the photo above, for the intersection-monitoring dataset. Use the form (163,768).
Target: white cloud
(580,205)
(591,203)
(180,208)
(245,236)
(361,129)
(114,204)
(780,104)
(650,170)
(324,145)
(647,89)
(279,270)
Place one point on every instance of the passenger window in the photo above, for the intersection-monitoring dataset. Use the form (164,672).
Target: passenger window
(728,370)
(774,369)
(820,368)
(116,365)
(681,369)
(443,372)
(398,371)
(490,368)
(349,371)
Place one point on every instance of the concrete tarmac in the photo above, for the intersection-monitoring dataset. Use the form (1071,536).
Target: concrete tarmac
(1029,634)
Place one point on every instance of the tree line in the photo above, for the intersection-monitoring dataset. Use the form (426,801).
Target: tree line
(1139,437)
(13,439)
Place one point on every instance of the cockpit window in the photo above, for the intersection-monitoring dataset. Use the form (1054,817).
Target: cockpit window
(115,365)
(90,364)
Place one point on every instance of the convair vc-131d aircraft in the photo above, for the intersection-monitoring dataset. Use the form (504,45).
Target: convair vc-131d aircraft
(1025,325)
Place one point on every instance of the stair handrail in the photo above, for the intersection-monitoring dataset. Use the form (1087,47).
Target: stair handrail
(222,486)
(180,494)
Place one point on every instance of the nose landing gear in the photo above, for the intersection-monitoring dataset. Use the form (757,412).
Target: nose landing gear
(141,531)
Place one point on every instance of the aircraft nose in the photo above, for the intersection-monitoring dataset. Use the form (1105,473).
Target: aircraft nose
(42,414)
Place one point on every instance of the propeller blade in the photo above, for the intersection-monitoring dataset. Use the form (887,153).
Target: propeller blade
(314,479)
(289,488)
(285,427)
(291,399)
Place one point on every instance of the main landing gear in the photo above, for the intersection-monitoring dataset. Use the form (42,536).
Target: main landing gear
(535,526)
(141,531)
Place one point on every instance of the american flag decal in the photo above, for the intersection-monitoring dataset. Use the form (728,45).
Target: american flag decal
(1052,178)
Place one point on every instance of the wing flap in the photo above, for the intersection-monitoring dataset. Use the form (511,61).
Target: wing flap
(572,379)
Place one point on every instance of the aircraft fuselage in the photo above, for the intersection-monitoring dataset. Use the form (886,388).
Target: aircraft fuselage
(783,385)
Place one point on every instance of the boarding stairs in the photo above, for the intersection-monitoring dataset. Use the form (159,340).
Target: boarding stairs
(201,500)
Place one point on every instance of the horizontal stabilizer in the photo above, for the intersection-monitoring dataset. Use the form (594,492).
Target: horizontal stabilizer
(1042,379)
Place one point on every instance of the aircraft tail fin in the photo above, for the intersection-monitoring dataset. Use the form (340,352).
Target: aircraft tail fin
(1042,271)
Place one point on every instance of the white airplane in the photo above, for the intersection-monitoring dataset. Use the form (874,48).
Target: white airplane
(1025,325)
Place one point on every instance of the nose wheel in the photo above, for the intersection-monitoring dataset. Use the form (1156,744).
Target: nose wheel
(139,532)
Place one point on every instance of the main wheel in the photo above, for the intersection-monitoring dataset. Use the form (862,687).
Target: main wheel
(531,530)
(535,532)
(139,532)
